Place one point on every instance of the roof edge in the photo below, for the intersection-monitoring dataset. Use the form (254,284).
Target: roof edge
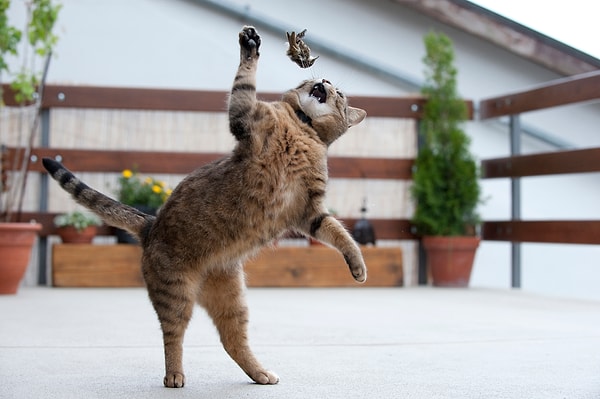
(507,34)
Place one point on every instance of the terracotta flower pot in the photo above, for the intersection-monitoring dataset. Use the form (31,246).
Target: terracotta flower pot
(450,259)
(70,235)
(16,241)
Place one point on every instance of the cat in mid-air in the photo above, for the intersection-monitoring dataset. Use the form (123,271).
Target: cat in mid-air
(274,181)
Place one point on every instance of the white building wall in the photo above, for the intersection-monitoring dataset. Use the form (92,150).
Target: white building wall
(182,44)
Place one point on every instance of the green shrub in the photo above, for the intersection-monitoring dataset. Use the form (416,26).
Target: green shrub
(446,177)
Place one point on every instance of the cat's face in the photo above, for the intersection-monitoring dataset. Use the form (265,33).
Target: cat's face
(326,106)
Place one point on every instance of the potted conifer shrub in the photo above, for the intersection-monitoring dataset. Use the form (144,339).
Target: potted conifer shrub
(19,128)
(446,178)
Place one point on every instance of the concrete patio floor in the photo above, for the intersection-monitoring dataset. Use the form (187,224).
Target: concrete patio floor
(323,343)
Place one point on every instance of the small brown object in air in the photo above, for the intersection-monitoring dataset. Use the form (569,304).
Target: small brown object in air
(298,51)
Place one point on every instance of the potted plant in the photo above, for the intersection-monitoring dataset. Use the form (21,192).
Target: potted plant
(446,178)
(77,227)
(17,239)
(144,193)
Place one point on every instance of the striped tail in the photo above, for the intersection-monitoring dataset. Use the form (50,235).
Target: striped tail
(112,212)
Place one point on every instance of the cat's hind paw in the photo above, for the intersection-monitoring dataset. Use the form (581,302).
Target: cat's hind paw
(265,377)
(174,380)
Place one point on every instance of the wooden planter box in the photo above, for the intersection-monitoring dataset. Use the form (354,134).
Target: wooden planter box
(82,265)
(91,265)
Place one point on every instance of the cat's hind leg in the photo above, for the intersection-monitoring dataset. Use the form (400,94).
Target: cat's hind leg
(173,299)
(222,295)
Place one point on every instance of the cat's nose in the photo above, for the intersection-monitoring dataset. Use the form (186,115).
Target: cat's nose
(325,81)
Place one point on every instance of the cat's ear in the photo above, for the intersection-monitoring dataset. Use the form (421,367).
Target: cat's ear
(355,116)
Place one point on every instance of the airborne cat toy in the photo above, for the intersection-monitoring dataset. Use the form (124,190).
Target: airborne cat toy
(298,51)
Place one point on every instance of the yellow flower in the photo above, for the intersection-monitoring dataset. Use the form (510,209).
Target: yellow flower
(127,173)
(169,191)
(156,188)
(148,180)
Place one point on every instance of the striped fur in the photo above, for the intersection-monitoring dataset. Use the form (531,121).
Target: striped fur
(273,181)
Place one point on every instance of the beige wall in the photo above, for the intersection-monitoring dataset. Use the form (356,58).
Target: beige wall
(183,44)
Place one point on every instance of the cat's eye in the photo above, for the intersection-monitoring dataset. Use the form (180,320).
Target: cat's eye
(339,93)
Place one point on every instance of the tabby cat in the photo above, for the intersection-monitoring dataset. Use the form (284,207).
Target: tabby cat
(225,211)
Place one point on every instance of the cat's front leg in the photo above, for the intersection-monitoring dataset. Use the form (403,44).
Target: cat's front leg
(329,230)
(242,100)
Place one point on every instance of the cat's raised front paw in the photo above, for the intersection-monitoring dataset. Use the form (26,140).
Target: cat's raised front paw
(249,42)
(360,273)
(357,268)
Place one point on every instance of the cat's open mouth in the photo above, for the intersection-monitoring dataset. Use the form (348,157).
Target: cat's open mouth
(318,91)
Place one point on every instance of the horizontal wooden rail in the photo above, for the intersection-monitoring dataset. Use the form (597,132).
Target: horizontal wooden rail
(577,161)
(570,90)
(568,232)
(184,162)
(115,161)
(64,96)
(547,231)
(385,229)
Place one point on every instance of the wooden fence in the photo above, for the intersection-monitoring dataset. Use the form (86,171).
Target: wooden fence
(575,89)
(564,91)
(104,161)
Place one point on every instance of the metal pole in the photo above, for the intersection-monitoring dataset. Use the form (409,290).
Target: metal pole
(423,274)
(515,183)
(43,202)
